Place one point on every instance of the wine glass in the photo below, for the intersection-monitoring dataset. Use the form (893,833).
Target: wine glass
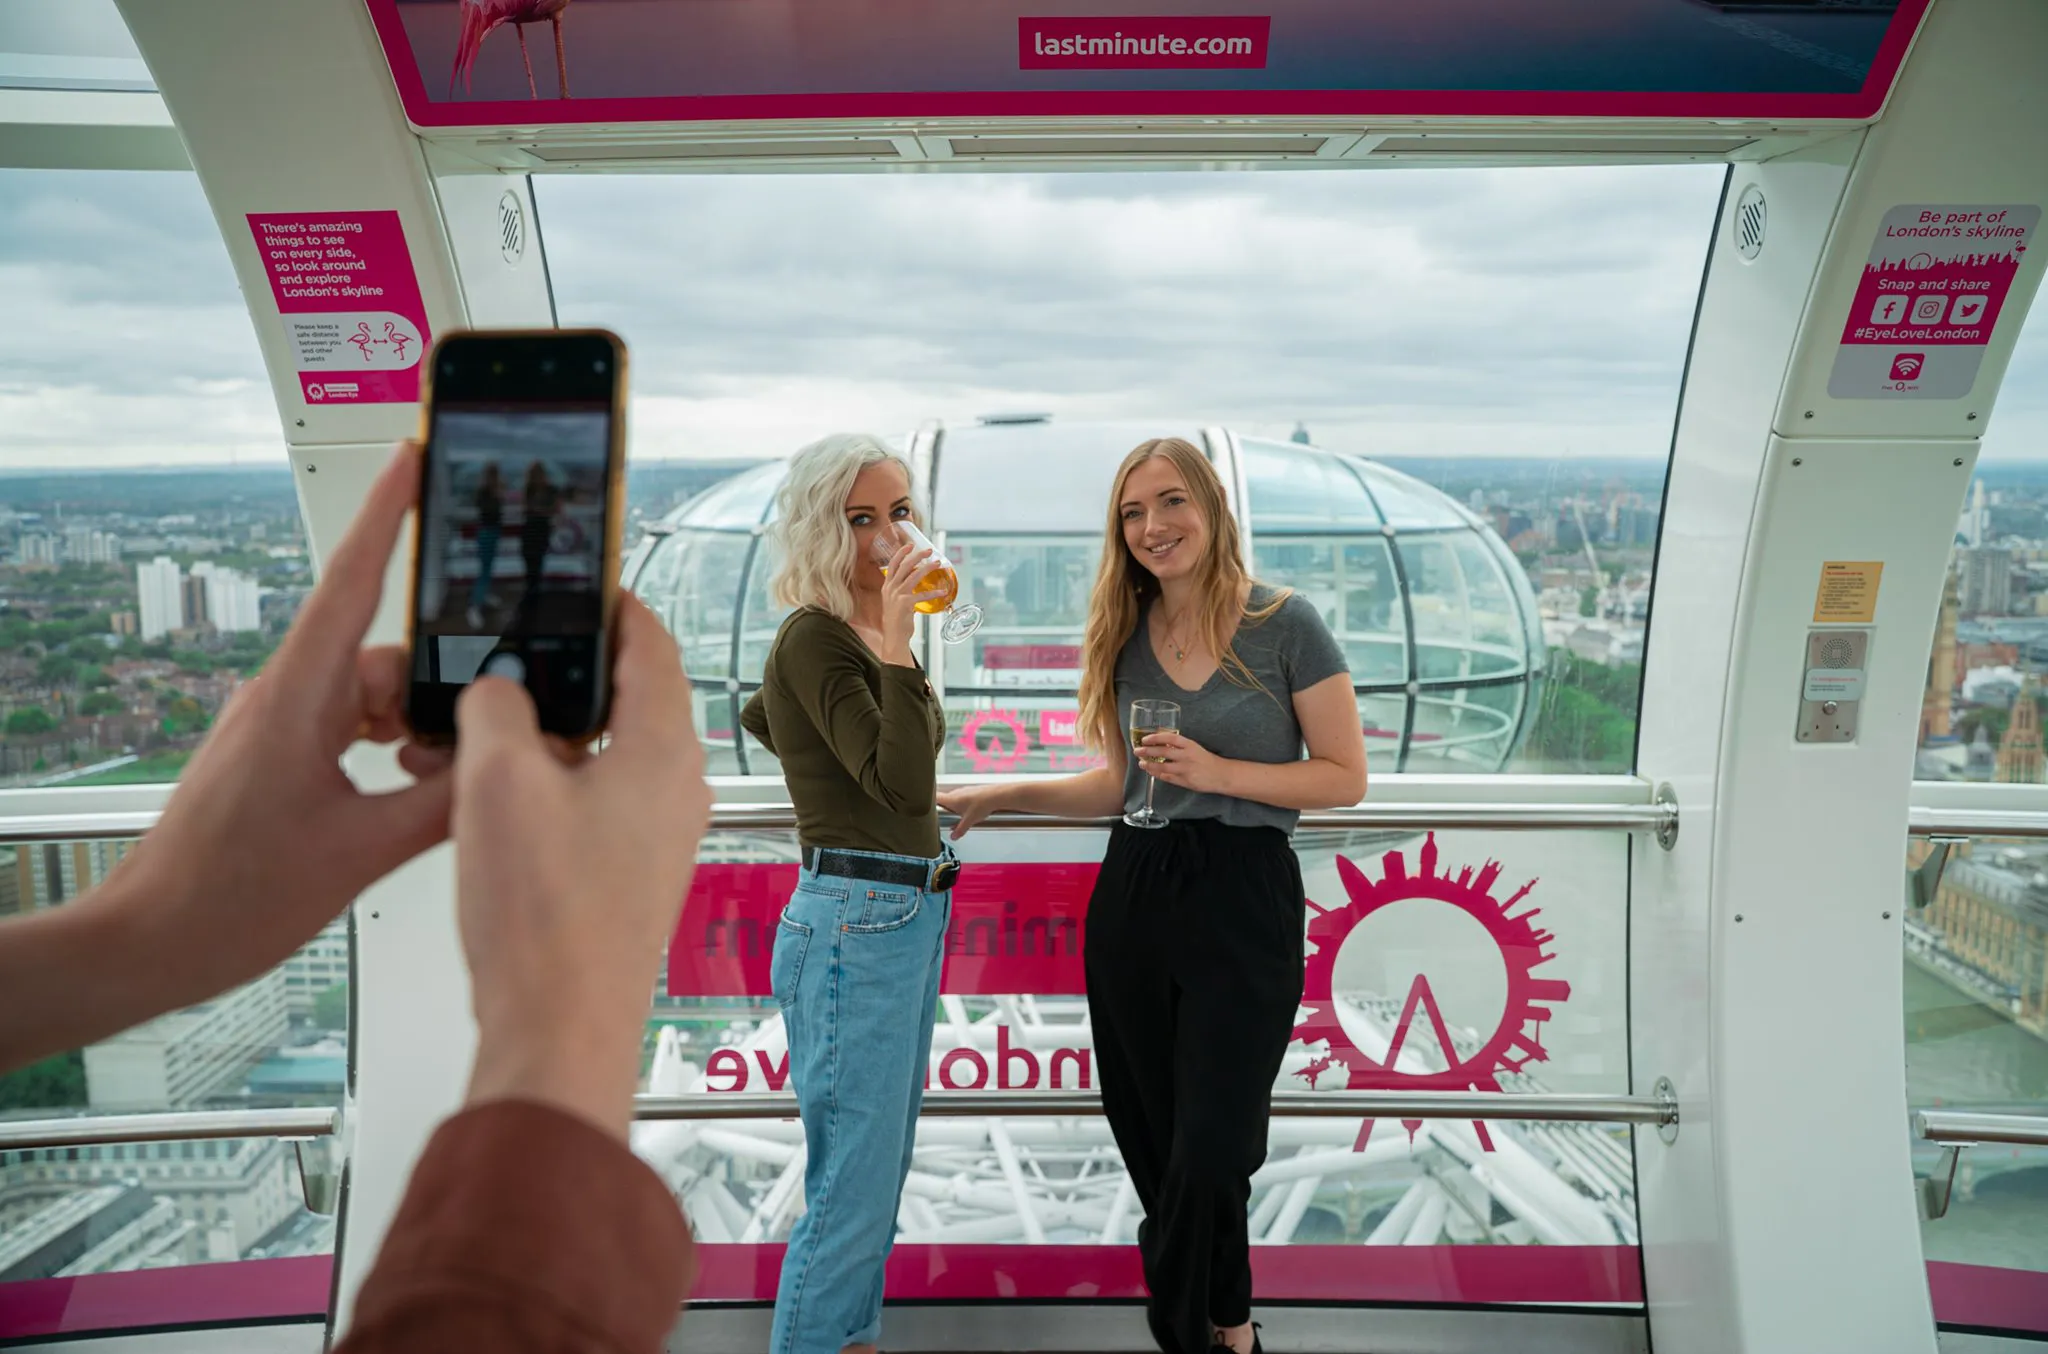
(938,590)
(1148,717)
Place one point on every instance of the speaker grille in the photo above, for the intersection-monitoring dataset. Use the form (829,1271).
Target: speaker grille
(511,228)
(1751,218)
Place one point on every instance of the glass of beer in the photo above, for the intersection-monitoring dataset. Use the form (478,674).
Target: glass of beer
(940,589)
(1149,717)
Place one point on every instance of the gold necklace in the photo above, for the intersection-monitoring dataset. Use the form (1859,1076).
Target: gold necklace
(1180,655)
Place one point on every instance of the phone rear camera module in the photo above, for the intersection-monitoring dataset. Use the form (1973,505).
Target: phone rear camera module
(598,366)
(497,368)
(547,366)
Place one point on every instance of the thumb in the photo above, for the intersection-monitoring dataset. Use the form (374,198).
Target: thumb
(495,720)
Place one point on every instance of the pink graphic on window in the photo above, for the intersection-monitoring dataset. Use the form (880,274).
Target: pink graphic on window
(1059,728)
(349,302)
(1907,366)
(1018,926)
(1513,1045)
(994,741)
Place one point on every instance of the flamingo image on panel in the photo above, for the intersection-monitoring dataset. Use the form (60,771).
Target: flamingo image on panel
(479,17)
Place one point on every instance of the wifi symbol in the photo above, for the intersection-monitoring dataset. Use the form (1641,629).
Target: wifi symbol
(1906,366)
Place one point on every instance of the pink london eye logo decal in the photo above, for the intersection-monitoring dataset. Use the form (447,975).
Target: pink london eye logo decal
(1514,1044)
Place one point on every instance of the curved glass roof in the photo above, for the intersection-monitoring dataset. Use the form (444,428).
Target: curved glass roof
(1041,476)
(1435,616)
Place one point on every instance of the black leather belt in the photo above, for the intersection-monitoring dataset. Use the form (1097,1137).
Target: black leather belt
(931,876)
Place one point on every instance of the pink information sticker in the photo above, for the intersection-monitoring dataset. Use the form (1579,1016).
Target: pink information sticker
(1931,294)
(345,285)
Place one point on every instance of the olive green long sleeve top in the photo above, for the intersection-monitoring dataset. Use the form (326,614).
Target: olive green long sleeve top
(858,739)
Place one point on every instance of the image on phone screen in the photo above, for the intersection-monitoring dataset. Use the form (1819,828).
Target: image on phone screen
(512,554)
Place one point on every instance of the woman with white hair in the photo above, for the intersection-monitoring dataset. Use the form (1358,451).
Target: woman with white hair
(845,707)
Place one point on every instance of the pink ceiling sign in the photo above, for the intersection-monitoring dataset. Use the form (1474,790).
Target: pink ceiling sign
(466,63)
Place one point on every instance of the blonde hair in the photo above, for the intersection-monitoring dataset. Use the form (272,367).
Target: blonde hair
(1222,589)
(813,542)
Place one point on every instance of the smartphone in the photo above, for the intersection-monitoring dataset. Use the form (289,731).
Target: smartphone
(522,498)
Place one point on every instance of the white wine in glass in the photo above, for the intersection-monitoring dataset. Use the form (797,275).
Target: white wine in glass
(1150,717)
(939,589)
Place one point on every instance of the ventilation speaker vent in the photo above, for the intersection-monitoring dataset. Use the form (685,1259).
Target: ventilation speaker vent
(511,228)
(1751,218)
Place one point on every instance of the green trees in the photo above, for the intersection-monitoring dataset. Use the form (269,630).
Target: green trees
(29,721)
(53,1083)
(330,1008)
(1586,718)
(184,717)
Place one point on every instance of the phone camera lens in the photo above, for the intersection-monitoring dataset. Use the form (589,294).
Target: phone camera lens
(497,368)
(597,366)
(547,366)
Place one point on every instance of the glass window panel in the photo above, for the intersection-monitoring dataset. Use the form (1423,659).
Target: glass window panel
(279,1041)
(760,617)
(1468,621)
(136,601)
(716,1030)
(739,503)
(1033,593)
(1991,629)
(707,593)
(1383,718)
(1352,584)
(1293,488)
(1462,729)
(1976,1002)
(1407,503)
(1051,476)
(1416,364)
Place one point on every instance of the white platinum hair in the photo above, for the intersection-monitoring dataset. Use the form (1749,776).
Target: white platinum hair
(814,544)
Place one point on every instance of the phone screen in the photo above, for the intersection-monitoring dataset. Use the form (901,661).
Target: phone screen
(514,501)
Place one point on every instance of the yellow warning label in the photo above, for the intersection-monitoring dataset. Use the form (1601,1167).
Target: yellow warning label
(1848,592)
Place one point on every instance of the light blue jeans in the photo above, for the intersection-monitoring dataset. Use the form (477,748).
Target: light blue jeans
(856,973)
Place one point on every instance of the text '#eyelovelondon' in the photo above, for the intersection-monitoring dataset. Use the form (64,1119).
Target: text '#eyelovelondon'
(1143,42)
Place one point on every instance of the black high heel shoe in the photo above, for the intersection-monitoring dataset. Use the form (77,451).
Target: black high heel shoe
(1257,1348)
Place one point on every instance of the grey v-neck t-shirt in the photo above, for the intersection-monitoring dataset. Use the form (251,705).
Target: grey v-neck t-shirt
(1291,650)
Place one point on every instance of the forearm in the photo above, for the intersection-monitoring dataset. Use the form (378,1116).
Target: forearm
(1317,783)
(1092,794)
(73,975)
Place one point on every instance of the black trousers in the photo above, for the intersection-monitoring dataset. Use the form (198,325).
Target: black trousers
(1194,963)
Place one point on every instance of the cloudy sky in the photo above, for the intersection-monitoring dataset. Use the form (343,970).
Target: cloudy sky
(1536,312)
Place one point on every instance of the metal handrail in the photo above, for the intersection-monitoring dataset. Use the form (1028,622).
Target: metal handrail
(1966,1127)
(1392,816)
(1539,1108)
(1930,822)
(77,827)
(781,817)
(23,1135)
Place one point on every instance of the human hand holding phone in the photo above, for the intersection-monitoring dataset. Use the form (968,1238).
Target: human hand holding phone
(570,871)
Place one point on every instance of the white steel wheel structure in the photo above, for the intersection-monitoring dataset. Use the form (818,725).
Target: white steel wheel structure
(1596,1053)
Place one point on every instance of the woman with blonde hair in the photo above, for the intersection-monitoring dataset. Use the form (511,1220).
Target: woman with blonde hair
(845,707)
(1195,931)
